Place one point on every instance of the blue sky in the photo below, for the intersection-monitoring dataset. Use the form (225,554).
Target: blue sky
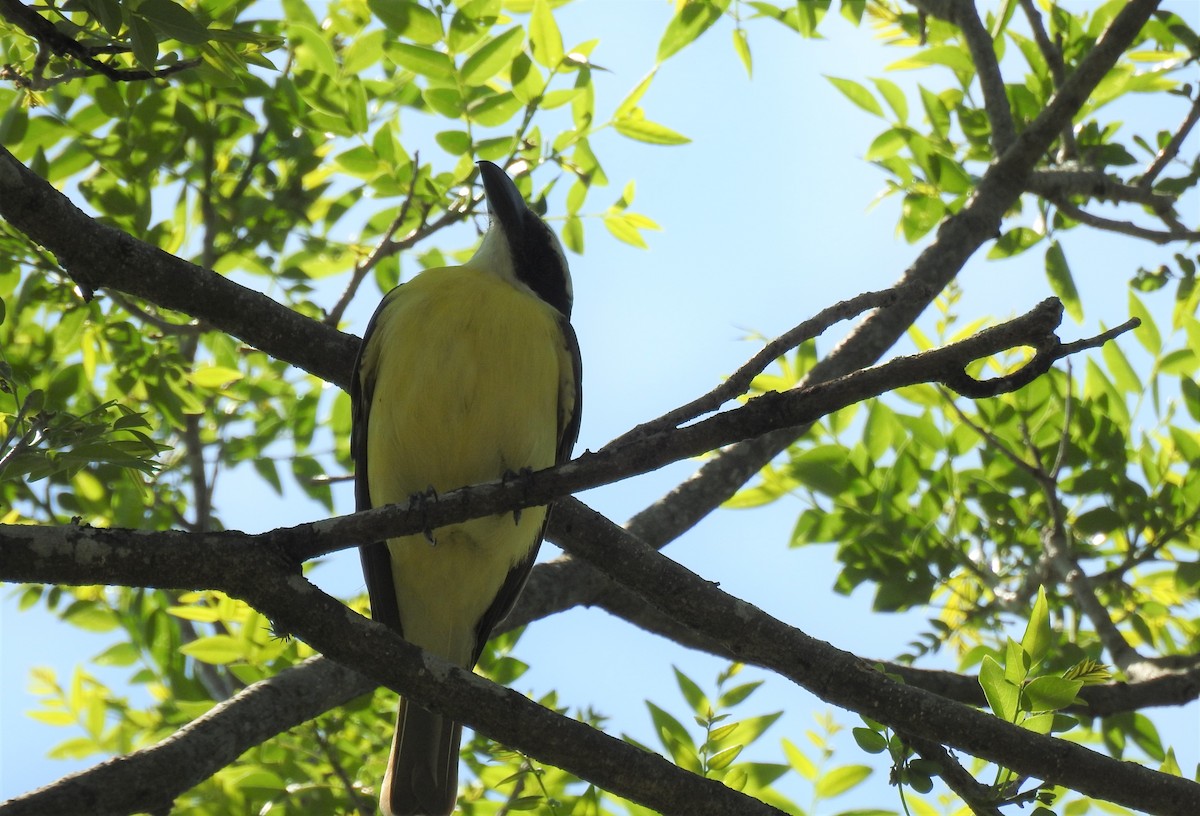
(766,219)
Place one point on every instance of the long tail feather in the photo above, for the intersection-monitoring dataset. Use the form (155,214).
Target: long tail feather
(422,774)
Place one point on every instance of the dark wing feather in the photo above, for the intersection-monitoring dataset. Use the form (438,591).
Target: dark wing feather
(376,562)
(568,432)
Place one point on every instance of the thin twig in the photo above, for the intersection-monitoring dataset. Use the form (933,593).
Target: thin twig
(1171,149)
(739,382)
(1058,71)
(1161,237)
(978,797)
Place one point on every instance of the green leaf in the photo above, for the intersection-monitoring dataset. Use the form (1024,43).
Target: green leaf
(692,693)
(495,55)
(895,98)
(1014,242)
(869,740)
(1191,397)
(839,780)
(723,759)
(738,694)
(692,20)
(214,377)
(1051,693)
(408,19)
(544,37)
(1002,696)
(1061,282)
(954,57)
(675,738)
(920,214)
(215,649)
(643,130)
(799,761)
(630,103)
(1147,333)
(856,93)
(421,60)
(1036,641)
(741,45)
(887,144)
(173,20)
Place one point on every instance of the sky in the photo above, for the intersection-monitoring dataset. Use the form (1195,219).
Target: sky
(766,218)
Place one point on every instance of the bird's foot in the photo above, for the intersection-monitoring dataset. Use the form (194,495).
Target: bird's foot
(422,501)
(512,476)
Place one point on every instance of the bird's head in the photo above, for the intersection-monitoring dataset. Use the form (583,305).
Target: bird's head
(519,246)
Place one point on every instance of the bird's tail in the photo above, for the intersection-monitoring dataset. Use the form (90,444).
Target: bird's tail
(422,773)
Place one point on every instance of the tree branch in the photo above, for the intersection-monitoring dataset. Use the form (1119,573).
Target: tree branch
(963,14)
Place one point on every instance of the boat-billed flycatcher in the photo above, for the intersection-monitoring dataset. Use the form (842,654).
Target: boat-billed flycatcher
(466,374)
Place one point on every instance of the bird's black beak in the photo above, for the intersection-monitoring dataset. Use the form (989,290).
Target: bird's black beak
(504,200)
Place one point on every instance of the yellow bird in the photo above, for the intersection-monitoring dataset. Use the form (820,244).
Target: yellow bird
(466,374)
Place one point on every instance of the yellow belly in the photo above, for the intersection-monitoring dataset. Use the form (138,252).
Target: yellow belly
(467,373)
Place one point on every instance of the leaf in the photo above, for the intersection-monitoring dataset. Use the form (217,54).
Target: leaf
(215,649)
(1061,282)
(887,144)
(1002,696)
(870,740)
(741,45)
(692,693)
(214,377)
(799,762)
(895,98)
(408,19)
(1036,641)
(1051,693)
(495,55)
(839,780)
(858,94)
(1147,333)
(173,20)
(693,19)
(544,38)
(723,759)
(643,130)
(953,57)
(630,102)
(421,60)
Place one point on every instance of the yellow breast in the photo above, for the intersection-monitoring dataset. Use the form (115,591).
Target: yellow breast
(469,373)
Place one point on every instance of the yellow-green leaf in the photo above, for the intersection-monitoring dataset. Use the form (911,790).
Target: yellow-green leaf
(421,60)
(544,37)
(214,376)
(495,55)
(741,44)
(693,19)
(839,780)
(858,94)
(1061,282)
(643,130)
(215,649)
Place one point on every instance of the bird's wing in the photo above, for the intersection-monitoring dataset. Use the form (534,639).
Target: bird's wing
(376,562)
(570,399)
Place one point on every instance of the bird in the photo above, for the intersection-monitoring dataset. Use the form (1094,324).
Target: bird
(466,374)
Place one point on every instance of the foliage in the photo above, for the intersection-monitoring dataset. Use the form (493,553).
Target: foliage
(279,152)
